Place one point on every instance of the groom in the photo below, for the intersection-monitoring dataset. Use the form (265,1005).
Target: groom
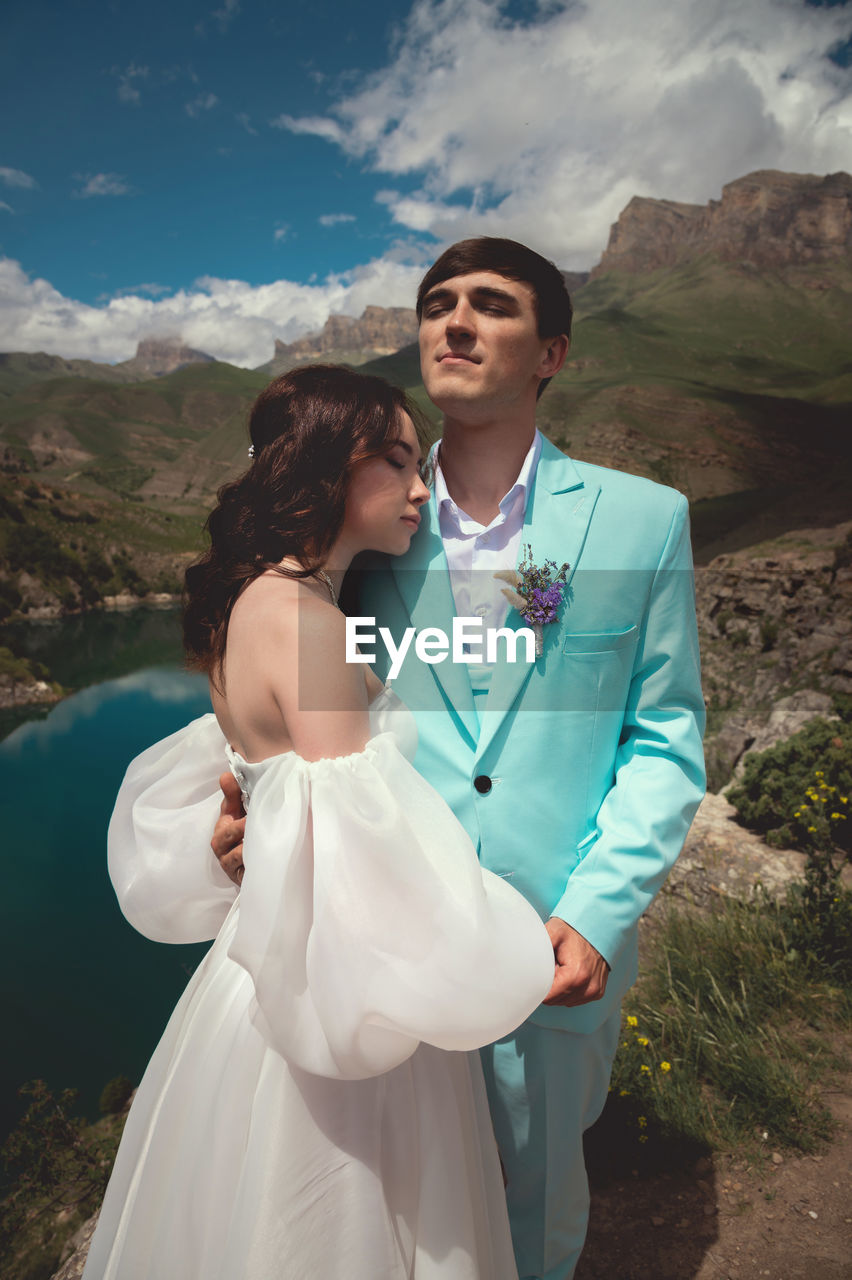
(577,775)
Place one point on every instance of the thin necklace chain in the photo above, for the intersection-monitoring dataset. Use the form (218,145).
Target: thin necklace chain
(321,573)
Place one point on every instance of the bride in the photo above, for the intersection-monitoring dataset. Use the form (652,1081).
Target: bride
(313,1110)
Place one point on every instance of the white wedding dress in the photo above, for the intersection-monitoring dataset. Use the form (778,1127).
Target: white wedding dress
(313,1110)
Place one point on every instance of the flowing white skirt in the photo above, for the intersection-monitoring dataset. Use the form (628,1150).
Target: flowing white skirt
(314,1108)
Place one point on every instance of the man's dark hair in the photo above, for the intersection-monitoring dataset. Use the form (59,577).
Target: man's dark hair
(515,262)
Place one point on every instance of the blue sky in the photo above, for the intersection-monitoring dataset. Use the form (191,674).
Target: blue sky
(238,169)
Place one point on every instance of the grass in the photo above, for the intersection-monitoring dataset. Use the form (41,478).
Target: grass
(727,1037)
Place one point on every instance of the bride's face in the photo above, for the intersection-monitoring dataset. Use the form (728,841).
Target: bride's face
(385,496)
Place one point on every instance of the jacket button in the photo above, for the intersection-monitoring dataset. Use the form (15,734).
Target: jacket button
(482,784)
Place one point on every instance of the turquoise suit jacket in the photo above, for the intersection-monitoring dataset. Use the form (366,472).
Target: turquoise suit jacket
(594,751)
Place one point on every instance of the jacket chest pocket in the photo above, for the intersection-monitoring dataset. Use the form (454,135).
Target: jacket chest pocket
(595,670)
(598,643)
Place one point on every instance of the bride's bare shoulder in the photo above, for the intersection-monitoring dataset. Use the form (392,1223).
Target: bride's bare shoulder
(284,617)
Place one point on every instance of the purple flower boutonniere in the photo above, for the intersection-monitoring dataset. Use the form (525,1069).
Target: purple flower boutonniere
(535,592)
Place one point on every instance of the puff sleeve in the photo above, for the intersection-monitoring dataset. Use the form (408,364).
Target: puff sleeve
(366,922)
(168,883)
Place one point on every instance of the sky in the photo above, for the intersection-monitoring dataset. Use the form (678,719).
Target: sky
(234,171)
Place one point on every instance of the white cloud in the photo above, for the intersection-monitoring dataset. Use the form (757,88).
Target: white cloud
(6,208)
(101,184)
(127,90)
(150,290)
(16,178)
(281,232)
(229,319)
(544,129)
(223,17)
(204,102)
(244,119)
(335,219)
(321,126)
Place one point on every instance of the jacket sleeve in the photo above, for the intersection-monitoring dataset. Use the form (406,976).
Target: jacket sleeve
(659,769)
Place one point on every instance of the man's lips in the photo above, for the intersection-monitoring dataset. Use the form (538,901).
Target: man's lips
(452,356)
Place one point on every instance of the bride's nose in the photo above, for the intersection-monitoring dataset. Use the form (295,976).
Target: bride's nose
(418,492)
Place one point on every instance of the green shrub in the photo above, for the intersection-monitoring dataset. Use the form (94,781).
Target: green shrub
(51,1160)
(115,1094)
(721,1041)
(773,798)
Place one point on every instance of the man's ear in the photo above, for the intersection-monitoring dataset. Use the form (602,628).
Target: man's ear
(554,357)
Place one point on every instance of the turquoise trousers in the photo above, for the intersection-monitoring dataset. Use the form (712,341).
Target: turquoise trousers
(545,1088)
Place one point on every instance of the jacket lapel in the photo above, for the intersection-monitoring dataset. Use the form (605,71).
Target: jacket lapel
(423,581)
(556,523)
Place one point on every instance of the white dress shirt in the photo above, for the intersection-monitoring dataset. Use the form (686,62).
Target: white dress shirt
(475,552)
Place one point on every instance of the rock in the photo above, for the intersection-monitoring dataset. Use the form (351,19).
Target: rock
(777,1158)
(72,1267)
(765,219)
(156,356)
(791,714)
(380,331)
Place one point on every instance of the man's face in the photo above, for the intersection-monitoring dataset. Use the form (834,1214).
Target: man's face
(480,353)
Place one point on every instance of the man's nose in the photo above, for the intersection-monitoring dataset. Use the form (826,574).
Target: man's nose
(461,320)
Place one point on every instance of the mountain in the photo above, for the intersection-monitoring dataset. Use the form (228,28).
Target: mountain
(157,356)
(768,219)
(19,368)
(346,340)
(154,357)
(691,363)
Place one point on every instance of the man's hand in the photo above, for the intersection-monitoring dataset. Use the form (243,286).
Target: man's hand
(581,972)
(227,842)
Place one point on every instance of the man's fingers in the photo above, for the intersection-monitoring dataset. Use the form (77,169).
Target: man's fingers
(232,799)
(228,836)
(571,992)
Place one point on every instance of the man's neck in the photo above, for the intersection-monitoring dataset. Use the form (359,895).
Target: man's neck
(480,464)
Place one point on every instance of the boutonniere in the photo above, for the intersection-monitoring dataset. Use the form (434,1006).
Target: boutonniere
(535,592)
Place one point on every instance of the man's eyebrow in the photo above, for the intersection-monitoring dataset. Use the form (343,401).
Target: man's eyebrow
(436,294)
(499,295)
(481,292)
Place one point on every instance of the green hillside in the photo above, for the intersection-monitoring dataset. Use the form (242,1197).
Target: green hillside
(732,384)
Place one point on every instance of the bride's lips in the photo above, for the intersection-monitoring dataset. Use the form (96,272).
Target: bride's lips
(413,521)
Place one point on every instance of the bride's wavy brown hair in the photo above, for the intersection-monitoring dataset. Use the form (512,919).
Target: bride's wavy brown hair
(308,429)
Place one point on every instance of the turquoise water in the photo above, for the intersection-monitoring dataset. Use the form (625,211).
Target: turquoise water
(83,997)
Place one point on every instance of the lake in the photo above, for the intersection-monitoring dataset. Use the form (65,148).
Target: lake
(84,997)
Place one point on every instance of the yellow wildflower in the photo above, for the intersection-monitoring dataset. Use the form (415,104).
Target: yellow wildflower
(641,1121)
(643,1137)
(665,1066)
(644,1068)
(643,1040)
(624,1093)
(632,1021)
(835,816)
(811,828)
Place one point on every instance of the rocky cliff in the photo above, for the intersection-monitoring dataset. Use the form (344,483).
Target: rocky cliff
(774,621)
(380,331)
(768,218)
(156,356)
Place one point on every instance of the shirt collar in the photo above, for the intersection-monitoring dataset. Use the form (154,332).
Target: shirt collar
(519,491)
